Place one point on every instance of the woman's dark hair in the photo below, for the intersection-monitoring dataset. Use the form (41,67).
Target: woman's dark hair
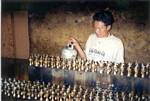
(104,16)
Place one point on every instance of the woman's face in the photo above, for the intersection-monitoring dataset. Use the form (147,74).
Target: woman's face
(101,29)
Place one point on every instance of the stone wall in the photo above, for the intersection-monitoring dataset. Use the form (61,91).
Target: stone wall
(50,28)
(49,32)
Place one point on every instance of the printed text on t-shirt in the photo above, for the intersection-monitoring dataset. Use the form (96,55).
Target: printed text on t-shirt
(95,51)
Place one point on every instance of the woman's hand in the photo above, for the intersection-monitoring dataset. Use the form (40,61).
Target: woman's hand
(77,46)
(74,41)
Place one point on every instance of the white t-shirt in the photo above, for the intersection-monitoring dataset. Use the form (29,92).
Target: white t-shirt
(104,49)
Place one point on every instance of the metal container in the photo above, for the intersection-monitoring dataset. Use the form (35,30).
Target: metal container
(69,52)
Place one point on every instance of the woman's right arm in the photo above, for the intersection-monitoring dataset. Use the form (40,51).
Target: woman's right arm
(78,48)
